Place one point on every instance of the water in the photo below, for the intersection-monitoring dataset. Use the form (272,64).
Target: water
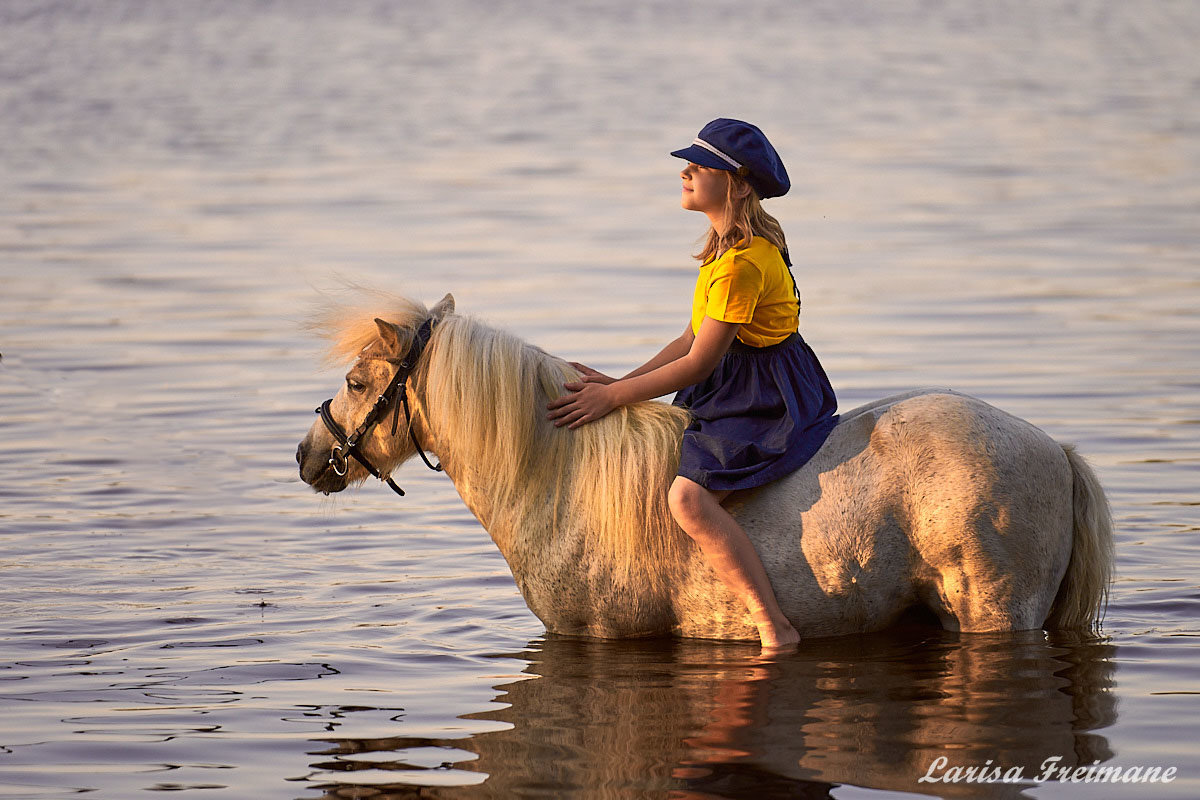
(998,198)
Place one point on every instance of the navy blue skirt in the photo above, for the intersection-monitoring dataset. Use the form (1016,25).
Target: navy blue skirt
(763,413)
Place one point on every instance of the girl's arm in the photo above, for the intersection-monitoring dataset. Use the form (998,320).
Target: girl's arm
(676,348)
(588,401)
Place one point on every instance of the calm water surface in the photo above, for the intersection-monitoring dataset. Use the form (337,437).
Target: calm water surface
(997,198)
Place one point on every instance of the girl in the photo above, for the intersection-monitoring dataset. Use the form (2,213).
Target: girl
(760,402)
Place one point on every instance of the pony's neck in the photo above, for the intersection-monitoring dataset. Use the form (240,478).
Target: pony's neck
(481,389)
(568,509)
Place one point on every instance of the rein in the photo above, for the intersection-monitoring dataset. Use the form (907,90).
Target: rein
(348,445)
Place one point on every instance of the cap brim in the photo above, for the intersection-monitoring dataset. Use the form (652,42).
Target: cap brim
(698,155)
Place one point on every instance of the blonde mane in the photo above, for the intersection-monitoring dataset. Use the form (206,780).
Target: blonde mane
(488,391)
(349,326)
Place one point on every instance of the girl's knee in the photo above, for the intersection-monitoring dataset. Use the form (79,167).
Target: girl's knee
(686,499)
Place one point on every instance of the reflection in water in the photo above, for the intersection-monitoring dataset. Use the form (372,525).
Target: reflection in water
(695,719)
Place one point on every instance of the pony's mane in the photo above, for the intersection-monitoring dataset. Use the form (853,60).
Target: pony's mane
(486,390)
(349,326)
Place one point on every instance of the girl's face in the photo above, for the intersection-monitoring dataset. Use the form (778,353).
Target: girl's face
(704,189)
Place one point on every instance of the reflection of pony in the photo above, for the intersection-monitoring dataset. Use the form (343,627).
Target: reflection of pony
(930,499)
(696,719)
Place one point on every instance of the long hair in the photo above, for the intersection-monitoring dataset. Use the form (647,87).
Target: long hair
(744,219)
(486,391)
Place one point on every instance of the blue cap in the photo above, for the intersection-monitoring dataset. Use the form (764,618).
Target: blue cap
(737,146)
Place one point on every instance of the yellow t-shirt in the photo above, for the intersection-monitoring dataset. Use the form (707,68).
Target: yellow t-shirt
(752,287)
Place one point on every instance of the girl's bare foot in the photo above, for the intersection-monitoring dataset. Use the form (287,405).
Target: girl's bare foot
(776,634)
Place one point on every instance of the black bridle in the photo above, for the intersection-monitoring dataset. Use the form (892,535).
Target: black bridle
(348,446)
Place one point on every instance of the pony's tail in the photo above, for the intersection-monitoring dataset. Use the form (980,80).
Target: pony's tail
(1083,594)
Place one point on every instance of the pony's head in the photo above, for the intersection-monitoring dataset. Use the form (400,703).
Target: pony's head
(374,343)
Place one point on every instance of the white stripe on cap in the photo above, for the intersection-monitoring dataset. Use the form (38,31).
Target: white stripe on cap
(701,143)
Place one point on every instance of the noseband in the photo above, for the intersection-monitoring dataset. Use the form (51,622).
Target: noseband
(348,446)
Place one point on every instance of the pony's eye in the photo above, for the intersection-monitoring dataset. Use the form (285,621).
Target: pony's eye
(355,386)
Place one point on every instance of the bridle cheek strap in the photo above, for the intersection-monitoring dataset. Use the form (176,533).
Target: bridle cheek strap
(347,446)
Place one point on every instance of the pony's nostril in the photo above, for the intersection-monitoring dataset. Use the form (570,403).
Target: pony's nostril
(300,454)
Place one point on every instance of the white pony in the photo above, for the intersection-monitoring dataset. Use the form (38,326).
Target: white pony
(929,499)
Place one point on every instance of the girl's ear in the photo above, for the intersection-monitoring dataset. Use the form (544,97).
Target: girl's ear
(741,188)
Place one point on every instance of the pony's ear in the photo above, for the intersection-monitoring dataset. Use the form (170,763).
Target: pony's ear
(390,334)
(444,307)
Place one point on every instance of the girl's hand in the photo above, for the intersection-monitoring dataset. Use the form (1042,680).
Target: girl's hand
(587,401)
(590,375)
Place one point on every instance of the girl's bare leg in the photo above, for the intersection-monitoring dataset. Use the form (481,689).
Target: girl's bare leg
(729,552)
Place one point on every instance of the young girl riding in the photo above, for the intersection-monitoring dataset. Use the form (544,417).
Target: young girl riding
(760,402)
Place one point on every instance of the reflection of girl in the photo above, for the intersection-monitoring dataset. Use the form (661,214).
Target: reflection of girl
(760,401)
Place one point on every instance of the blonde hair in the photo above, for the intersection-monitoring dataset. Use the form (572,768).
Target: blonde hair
(349,324)
(486,391)
(744,219)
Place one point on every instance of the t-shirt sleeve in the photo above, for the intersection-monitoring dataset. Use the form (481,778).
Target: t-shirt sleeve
(734,289)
